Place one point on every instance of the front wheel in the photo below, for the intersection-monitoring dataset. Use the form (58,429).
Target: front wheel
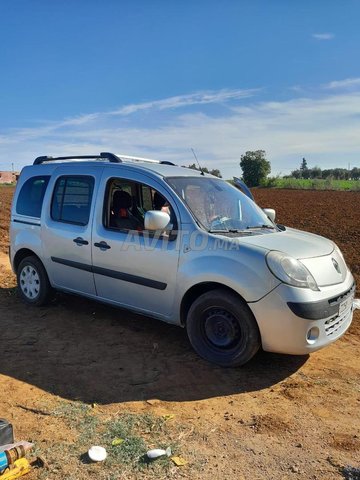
(222,329)
(33,283)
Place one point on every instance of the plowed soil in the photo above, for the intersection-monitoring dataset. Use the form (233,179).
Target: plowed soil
(279,417)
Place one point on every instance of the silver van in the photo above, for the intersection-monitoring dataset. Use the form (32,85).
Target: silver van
(178,245)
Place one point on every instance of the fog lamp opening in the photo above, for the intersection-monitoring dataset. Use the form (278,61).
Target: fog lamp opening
(312,335)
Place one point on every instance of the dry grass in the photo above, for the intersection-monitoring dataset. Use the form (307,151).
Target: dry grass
(126,436)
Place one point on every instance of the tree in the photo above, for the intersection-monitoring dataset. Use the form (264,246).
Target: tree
(255,167)
(295,174)
(327,173)
(215,171)
(303,165)
(355,173)
(315,172)
(304,168)
(340,173)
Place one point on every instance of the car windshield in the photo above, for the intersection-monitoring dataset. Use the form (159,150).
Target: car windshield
(218,206)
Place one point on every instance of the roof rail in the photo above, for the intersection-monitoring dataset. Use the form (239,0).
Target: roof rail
(128,158)
(103,155)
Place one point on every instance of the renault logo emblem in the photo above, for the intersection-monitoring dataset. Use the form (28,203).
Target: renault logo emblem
(336,265)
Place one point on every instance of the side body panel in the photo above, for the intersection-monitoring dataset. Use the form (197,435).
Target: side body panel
(25,231)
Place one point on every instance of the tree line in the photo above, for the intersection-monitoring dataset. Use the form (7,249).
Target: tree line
(317,172)
(215,171)
(256,168)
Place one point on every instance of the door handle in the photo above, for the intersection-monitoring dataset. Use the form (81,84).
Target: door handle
(80,241)
(102,245)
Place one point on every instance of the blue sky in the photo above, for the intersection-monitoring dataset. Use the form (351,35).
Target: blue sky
(157,78)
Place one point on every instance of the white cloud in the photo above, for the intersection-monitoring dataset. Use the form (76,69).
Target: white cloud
(180,101)
(80,119)
(347,83)
(199,98)
(324,130)
(323,36)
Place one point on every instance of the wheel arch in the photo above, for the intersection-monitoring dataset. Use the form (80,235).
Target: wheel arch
(196,290)
(23,253)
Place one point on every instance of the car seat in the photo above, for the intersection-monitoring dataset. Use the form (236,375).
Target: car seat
(122,217)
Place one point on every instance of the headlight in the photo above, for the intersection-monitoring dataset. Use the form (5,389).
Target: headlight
(290,271)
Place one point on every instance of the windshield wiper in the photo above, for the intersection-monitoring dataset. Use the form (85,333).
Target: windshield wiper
(260,227)
(230,230)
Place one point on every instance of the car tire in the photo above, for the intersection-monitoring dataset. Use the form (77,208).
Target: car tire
(33,283)
(222,329)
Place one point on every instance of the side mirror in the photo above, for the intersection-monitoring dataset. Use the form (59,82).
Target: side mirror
(270,212)
(156,220)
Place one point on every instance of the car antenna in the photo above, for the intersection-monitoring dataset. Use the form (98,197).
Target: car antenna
(201,170)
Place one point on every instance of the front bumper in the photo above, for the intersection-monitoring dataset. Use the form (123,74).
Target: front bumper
(299,321)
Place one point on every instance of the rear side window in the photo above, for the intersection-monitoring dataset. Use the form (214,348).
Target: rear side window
(31,196)
(71,200)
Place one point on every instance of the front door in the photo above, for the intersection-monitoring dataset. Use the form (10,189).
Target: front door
(131,266)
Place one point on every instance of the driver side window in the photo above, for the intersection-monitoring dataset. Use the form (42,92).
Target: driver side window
(126,203)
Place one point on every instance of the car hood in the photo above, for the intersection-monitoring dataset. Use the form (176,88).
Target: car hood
(296,243)
(317,253)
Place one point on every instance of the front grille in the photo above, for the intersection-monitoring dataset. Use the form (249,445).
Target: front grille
(343,296)
(334,323)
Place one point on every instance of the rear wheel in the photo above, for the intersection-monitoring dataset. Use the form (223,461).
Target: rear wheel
(33,283)
(222,329)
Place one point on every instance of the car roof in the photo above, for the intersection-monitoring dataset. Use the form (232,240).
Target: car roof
(168,170)
(161,169)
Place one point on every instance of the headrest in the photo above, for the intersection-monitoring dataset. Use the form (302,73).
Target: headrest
(121,199)
(159,201)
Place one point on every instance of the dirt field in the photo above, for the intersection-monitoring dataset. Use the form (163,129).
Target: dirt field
(279,417)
